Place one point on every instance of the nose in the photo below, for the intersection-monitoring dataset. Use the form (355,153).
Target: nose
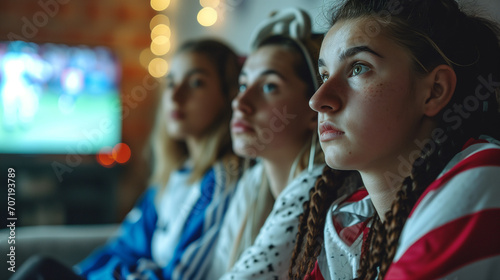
(326,99)
(242,102)
(174,93)
(177,93)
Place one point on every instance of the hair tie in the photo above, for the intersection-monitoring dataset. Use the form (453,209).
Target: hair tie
(290,22)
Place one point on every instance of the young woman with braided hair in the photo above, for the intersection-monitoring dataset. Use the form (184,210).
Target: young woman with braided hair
(410,100)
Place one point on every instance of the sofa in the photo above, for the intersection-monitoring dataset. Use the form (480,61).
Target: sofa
(66,243)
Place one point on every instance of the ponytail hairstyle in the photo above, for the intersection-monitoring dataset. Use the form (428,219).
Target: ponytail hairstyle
(435,32)
(306,52)
(290,29)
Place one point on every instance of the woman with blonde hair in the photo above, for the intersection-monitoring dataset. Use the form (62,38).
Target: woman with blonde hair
(177,220)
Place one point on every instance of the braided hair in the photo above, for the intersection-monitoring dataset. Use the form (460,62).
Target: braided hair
(436,32)
(311,222)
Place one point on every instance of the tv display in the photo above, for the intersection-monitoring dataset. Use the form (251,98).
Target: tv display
(58,99)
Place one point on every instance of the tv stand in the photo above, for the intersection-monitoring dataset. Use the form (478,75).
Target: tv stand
(82,192)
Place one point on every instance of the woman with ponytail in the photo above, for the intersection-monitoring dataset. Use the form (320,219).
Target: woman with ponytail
(273,125)
(410,100)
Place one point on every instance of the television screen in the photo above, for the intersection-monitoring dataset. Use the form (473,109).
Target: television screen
(58,99)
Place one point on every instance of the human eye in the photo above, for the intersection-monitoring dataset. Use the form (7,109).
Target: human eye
(323,77)
(358,69)
(195,82)
(269,87)
(242,87)
(169,84)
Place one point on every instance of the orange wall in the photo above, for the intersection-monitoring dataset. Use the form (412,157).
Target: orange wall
(123,26)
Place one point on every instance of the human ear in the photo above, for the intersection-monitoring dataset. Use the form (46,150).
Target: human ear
(442,83)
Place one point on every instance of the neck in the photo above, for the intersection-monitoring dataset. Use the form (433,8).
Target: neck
(382,185)
(278,170)
(383,180)
(381,196)
(277,173)
(194,148)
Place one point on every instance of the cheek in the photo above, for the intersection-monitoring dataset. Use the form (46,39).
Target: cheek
(281,120)
(384,114)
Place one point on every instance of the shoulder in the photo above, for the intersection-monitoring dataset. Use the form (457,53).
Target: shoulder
(467,183)
(224,174)
(452,220)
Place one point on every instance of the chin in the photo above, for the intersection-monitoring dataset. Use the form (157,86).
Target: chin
(245,150)
(332,164)
(176,134)
(336,161)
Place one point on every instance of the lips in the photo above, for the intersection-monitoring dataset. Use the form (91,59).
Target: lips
(328,132)
(177,115)
(240,126)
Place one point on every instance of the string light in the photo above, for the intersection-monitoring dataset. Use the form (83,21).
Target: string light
(158,67)
(145,57)
(209,3)
(152,58)
(160,30)
(159,19)
(160,5)
(207,16)
(160,45)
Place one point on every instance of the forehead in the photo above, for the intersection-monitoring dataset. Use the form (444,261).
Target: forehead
(271,57)
(365,31)
(184,62)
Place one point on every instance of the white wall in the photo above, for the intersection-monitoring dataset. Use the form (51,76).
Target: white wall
(238,18)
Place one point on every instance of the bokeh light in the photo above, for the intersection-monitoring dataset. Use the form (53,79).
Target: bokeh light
(160,5)
(158,67)
(121,153)
(145,57)
(105,157)
(160,30)
(207,16)
(159,19)
(209,3)
(160,45)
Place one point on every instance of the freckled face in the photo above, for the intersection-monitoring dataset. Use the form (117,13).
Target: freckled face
(368,108)
(193,98)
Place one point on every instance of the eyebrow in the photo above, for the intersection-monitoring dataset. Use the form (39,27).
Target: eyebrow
(355,50)
(191,72)
(267,72)
(351,52)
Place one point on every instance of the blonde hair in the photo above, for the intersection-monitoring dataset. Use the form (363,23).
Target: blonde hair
(170,154)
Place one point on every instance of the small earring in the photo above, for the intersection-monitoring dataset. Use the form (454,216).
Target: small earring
(312,152)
